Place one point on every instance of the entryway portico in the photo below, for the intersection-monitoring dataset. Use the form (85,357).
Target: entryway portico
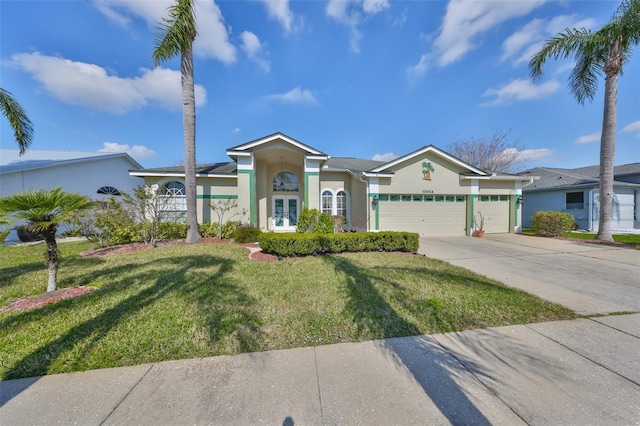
(278,177)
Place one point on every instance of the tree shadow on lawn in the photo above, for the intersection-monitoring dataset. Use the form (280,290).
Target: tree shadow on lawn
(215,295)
(429,364)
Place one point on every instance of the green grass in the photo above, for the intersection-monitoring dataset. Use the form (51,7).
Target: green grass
(210,299)
(633,239)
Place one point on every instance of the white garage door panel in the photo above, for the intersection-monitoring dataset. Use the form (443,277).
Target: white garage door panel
(496,215)
(426,218)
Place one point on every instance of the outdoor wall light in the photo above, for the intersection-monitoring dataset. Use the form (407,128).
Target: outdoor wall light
(374,202)
(520,200)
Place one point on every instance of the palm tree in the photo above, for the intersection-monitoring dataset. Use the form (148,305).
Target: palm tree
(44,211)
(18,120)
(177,34)
(603,51)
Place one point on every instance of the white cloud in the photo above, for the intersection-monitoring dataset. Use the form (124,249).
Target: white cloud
(524,43)
(236,130)
(632,128)
(386,157)
(465,21)
(254,49)
(280,11)
(351,13)
(400,20)
(139,152)
(213,36)
(519,90)
(89,85)
(525,155)
(591,137)
(295,96)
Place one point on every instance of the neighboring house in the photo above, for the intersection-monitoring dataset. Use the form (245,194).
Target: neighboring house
(426,191)
(94,174)
(576,191)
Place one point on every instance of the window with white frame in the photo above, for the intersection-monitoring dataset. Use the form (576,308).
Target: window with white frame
(341,204)
(335,203)
(176,196)
(327,202)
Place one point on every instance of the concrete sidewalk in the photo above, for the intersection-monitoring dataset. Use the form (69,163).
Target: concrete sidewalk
(583,372)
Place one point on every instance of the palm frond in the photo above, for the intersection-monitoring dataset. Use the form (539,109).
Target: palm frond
(562,46)
(44,208)
(176,33)
(18,120)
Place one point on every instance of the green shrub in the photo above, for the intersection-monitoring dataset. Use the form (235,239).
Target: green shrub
(246,234)
(172,230)
(312,221)
(209,229)
(307,244)
(551,224)
(228,229)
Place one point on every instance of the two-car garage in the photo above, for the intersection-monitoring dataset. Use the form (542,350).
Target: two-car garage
(428,215)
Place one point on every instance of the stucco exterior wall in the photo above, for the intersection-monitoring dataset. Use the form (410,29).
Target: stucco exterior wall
(360,205)
(409,179)
(541,201)
(487,187)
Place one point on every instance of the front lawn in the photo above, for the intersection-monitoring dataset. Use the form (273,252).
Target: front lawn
(211,299)
(632,240)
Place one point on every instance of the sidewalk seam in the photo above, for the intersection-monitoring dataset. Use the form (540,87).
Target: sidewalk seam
(128,393)
(315,359)
(581,355)
(491,391)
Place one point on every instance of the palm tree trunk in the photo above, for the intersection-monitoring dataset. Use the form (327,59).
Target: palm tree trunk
(608,143)
(53,260)
(189,125)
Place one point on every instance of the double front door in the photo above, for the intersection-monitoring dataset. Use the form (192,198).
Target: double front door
(285,213)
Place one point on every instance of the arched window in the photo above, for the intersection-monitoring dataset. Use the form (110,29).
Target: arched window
(175,198)
(108,190)
(174,188)
(327,202)
(285,182)
(341,204)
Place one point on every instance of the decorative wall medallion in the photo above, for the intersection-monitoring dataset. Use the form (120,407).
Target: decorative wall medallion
(427,168)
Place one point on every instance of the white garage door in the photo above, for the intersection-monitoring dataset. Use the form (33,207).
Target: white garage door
(495,210)
(428,215)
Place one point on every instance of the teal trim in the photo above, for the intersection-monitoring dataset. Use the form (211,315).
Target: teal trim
(473,198)
(306,187)
(377,211)
(216,197)
(252,195)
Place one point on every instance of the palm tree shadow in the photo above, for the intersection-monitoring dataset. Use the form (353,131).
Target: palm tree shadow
(429,364)
(94,329)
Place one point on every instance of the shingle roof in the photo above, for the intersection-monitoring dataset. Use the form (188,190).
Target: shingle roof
(229,168)
(12,161)
(582,176)
(355,165)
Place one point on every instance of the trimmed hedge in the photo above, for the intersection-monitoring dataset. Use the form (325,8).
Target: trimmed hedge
(289,245)
(551,224)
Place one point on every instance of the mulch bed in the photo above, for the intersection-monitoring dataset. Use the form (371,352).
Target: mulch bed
(25,303)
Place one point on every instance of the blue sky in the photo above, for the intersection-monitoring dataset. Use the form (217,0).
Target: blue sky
(362,78)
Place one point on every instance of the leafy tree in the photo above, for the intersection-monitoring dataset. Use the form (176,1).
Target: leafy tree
(221,208)
(176,37)
(150,208)
(18,120)
(44,211)
(596,52)
(492,154)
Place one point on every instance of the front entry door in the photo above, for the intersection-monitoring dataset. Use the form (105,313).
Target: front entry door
(285,213)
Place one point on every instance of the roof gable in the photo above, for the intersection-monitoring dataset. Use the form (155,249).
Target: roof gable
(250,146)
(424,150)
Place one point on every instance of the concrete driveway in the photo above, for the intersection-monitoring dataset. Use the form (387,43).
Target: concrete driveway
(585,277)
